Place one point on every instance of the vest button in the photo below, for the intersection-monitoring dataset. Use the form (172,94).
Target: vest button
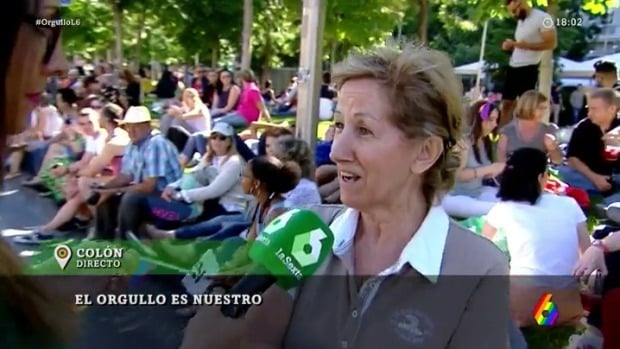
(354,314)
(344,344)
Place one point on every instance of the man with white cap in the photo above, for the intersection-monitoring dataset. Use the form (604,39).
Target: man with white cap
(149,164)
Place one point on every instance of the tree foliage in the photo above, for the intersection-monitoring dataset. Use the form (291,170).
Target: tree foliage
(175,31)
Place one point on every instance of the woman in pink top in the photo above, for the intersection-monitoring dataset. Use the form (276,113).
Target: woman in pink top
(250,107)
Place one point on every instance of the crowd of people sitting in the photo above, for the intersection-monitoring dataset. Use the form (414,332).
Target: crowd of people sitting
(186,174)
(505,186)
(218,168)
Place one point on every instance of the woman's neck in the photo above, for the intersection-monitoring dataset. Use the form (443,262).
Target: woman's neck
(528,123)
(71,111)
(110,130)
(262,198)
(397,222)
(226,87)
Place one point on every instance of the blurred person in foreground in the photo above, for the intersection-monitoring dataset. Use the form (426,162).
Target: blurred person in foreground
(32,315)
(410,276)
(602,256)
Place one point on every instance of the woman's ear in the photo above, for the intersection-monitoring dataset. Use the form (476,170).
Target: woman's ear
(429,151)
(255,186)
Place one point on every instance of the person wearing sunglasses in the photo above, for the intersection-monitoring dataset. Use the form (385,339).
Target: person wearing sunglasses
(213,189)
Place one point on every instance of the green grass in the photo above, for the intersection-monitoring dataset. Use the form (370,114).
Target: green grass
(321,128)
(548,337)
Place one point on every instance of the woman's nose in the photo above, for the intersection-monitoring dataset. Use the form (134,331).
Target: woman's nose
(342,149)
(58,64)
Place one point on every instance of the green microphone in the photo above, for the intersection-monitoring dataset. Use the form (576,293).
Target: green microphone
(292,247)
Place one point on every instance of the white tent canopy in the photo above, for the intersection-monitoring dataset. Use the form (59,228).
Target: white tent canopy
(572,69)
(613,58)
(589,64)
(470,69)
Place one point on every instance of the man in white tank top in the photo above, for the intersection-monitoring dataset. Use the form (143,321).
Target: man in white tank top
(535,33)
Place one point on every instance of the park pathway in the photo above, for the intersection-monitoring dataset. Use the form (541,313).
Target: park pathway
(118,327)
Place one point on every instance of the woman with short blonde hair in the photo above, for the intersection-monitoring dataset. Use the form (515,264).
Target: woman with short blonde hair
(401,115)
(527,130)
(180,123)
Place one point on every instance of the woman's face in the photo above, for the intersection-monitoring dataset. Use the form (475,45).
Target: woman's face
(490,124)
(212,77)
(25,83)
(338,124)
(219,143)
(188,99)
(376,163)
(248,183)
(226,78)
(270,144)
(541,110)
(543,179)
(85,125)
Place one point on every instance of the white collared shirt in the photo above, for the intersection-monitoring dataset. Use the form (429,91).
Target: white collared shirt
(424,252)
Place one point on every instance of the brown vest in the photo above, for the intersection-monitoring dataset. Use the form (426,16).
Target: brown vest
(468,306)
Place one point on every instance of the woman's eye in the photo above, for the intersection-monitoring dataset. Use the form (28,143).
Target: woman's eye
(363,131)
(338,126)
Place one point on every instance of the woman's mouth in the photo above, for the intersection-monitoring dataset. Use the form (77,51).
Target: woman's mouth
(34,98)
(348,177)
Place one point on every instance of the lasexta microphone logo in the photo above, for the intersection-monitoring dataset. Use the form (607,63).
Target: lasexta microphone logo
(307,247)
(546,312)
(293,246)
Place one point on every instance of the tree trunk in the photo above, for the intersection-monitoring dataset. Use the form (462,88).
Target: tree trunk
(138,48)
(545,70)
(215,53)
(332,54)
(246,36)
(422,21)
(117,12)
(267,58)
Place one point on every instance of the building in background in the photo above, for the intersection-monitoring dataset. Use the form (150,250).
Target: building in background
(608,41)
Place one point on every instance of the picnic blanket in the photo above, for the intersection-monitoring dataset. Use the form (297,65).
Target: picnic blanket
(475,225)
(555,185)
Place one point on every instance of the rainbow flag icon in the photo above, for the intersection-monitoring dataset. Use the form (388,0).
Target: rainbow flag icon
(546,312)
